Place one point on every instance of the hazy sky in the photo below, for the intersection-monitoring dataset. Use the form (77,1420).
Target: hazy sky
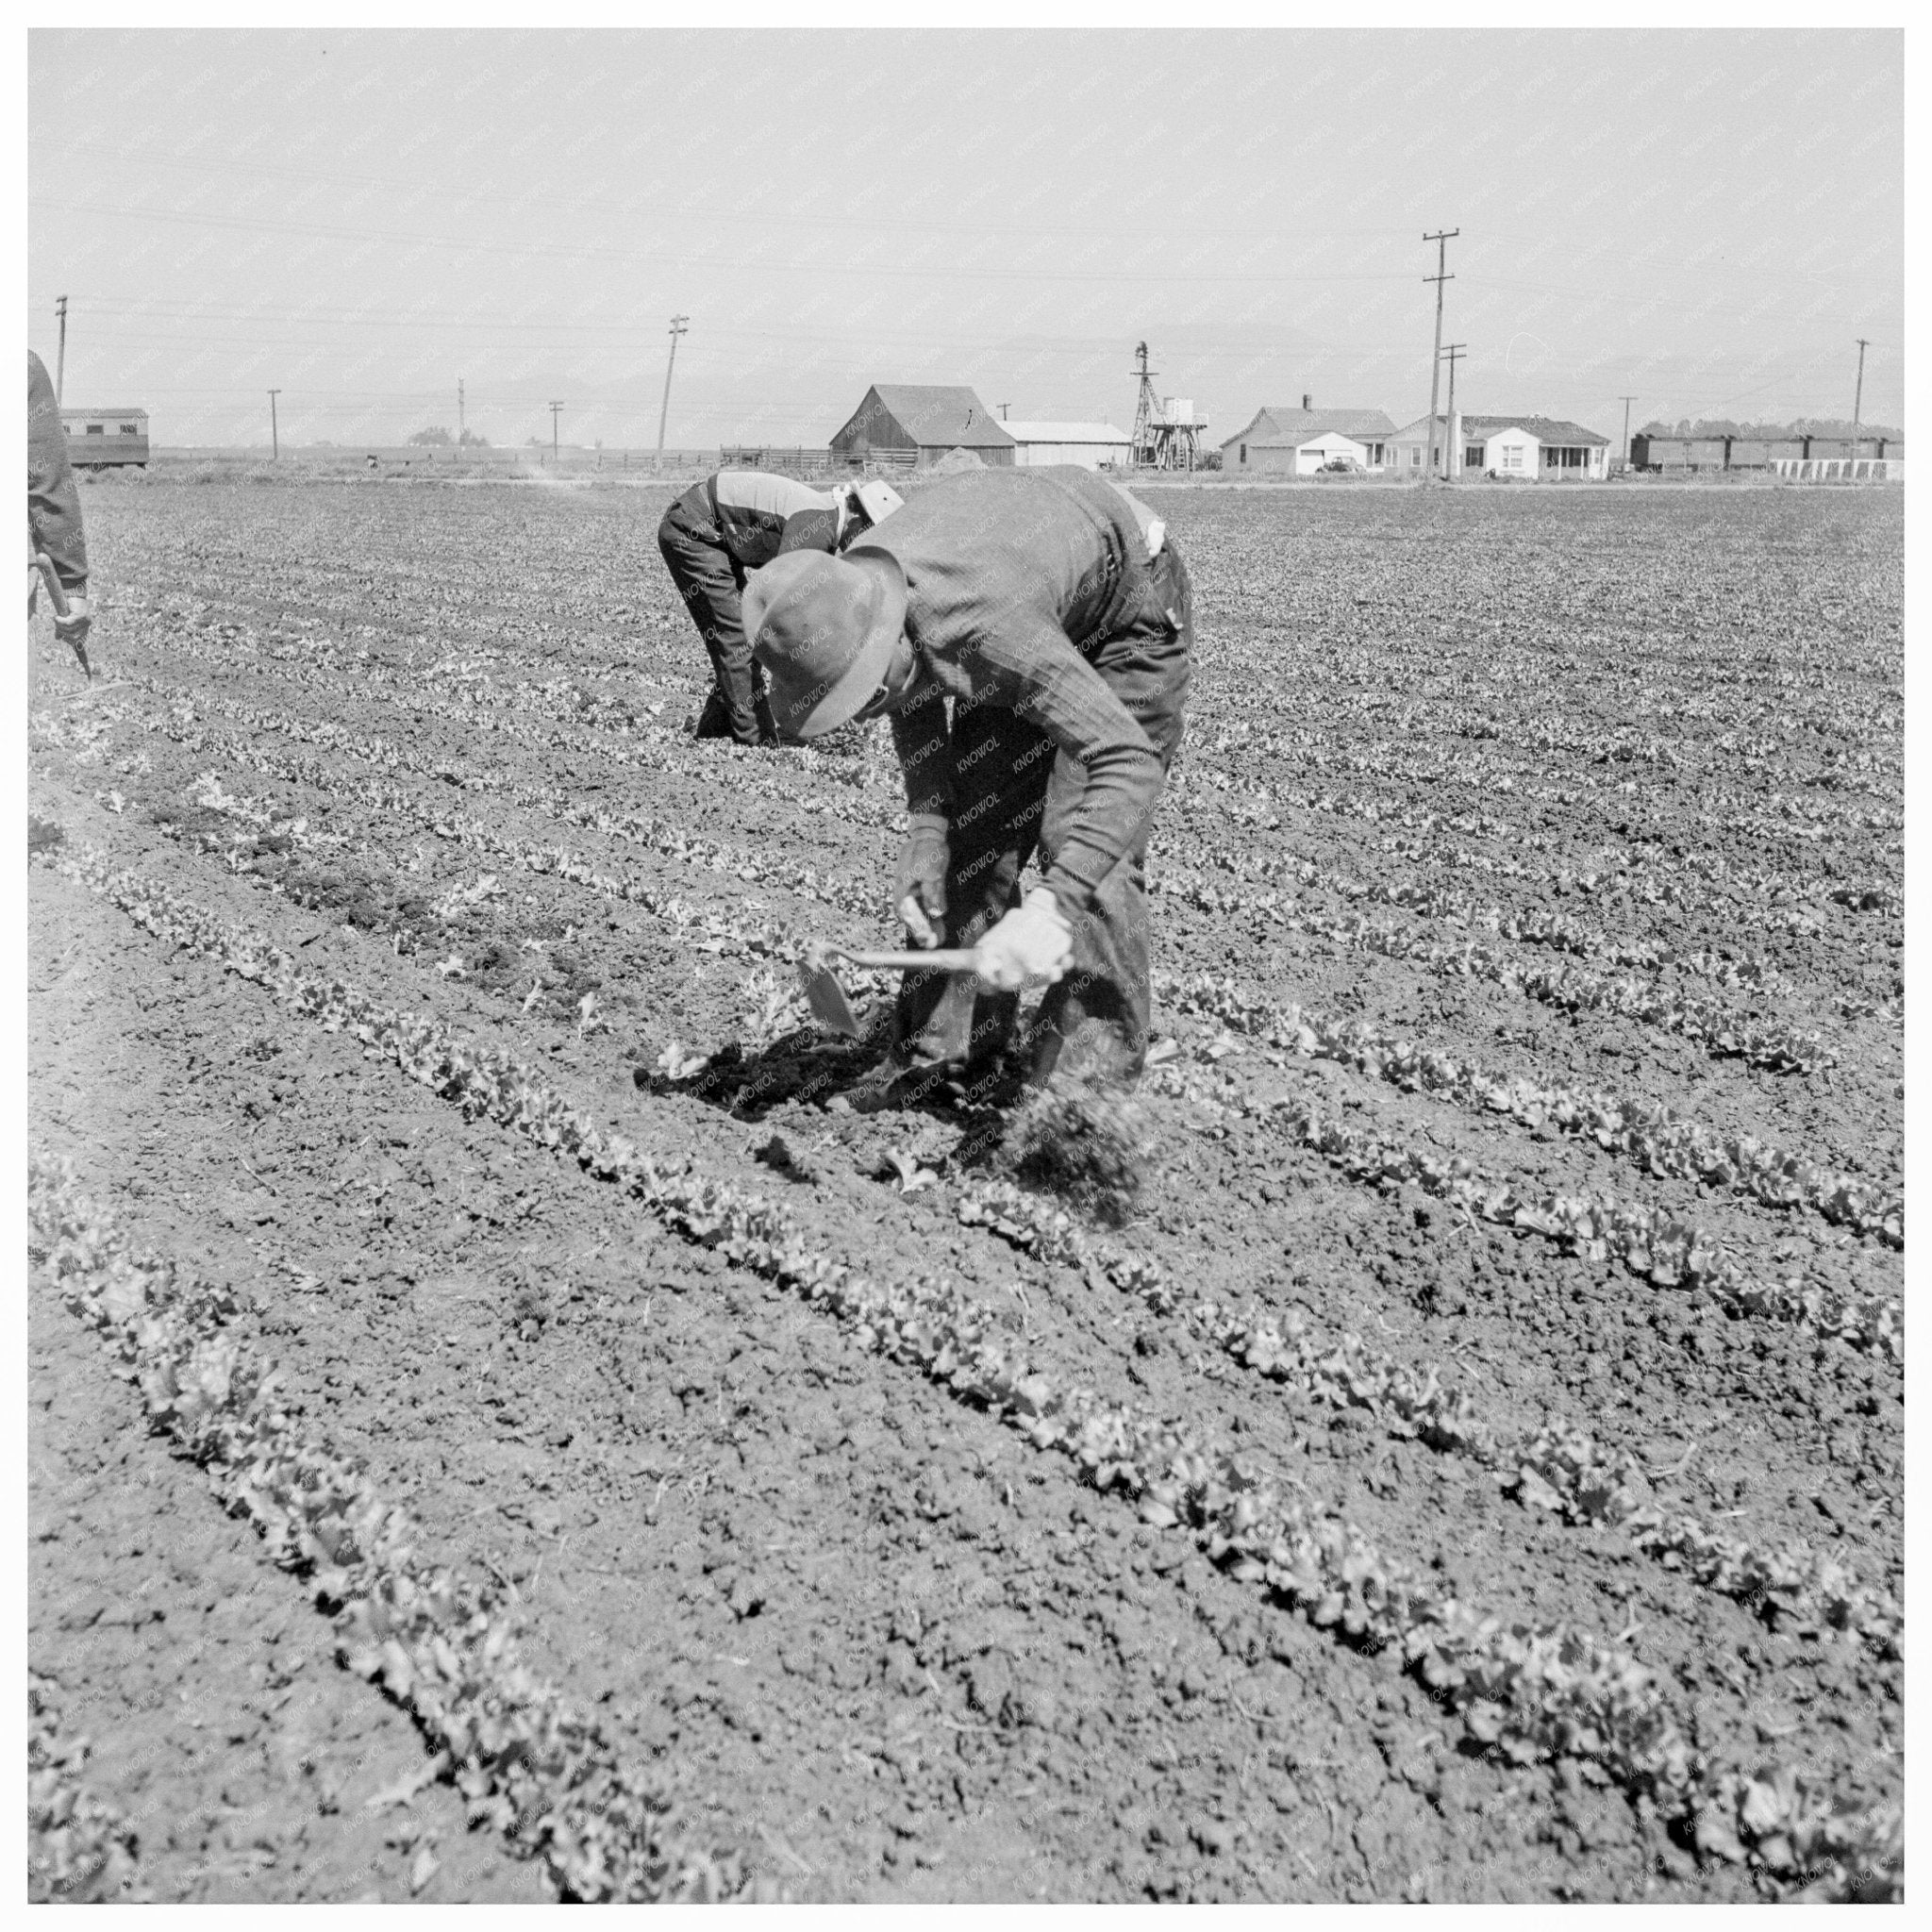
(1707,220)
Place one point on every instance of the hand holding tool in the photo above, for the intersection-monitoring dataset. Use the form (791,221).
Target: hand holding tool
(67,622)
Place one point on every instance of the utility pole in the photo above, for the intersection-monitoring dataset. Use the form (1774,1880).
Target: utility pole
(60,361)
(1857,398)
(1441,238)
(275,430)
(556,409)
(1004,408)
(678,326)
(459,412)
(1626,400)
(1452,353)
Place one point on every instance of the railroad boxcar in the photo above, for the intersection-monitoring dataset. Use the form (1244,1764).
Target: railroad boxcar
(101,439)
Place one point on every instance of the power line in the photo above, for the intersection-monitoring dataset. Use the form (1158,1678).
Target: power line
(823,265)
(711,216)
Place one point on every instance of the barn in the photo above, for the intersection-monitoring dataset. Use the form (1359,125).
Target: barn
(1089,444)
(910,425)
(1285,442)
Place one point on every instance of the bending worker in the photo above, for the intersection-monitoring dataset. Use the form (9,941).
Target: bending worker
(1047,607)
(730,524)
(53,508)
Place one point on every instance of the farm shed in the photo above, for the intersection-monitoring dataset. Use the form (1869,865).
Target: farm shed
(911,425)
(97,439)
(1285,442)
(1090,444)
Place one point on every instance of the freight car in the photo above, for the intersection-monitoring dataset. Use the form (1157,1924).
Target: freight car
(103,438)
(1687,455)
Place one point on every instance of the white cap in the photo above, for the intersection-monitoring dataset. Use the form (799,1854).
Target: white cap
(877,500)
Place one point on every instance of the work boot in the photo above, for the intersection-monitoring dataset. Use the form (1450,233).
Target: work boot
(893,1085)
(714,720)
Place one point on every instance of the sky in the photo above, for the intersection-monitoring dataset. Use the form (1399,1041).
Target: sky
(1705,220)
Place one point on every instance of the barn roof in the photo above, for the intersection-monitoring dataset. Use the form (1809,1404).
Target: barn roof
(1066,432)
(1278,427)
(942,415)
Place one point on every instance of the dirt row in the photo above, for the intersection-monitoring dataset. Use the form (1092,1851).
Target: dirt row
(876,1639)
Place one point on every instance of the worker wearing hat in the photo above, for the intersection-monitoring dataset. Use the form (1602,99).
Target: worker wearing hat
(728,525)
(1046,607)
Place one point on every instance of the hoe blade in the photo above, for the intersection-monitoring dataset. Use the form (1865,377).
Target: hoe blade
(826,997)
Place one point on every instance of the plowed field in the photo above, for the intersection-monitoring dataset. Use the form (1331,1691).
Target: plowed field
(1475,1473)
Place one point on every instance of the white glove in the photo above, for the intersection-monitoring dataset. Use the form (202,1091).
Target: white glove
(1032,945)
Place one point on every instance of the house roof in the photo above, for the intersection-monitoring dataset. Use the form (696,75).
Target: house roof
(942,415)
(1546,429)
(1550,429)
(1278,427)
(1066,432)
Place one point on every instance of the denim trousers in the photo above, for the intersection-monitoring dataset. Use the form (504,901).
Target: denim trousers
(712,582)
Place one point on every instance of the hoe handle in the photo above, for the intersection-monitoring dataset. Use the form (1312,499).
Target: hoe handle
(965,960)
(56,596)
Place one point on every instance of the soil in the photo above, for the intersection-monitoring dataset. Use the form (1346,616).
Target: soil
(877,1641)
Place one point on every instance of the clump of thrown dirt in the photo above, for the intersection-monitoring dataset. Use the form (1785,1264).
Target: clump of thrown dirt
(1084,1140)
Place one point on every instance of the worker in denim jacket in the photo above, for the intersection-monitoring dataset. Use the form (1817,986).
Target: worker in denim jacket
(1028,632)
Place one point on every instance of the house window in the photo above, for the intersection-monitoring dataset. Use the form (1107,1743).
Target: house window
(1415,459)
(97,429)
(1472,456)
(1244,452)
(130,430)
(1512,456)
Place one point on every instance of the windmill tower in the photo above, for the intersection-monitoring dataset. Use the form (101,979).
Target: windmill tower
(1166,433)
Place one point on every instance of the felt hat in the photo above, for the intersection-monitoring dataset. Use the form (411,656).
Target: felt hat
(825,628)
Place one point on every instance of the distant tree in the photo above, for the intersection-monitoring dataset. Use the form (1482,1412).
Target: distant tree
(533,443)
(437,435)
(472,440)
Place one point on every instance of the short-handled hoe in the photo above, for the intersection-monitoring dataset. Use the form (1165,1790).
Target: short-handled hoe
(826,997)
(58,597)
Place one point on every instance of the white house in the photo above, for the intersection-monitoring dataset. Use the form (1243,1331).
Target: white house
(1533,447)
(1090,444)
(1284,441)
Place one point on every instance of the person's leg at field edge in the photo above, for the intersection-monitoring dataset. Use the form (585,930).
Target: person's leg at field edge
(710,585)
